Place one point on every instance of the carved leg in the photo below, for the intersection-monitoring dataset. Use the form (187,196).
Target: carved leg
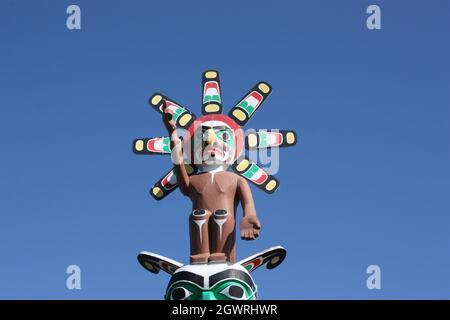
(222,226)
(232,256)
(199,235)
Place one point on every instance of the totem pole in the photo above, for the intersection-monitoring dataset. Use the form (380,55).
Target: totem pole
(202,149)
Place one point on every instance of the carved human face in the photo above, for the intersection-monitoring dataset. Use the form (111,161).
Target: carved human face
(218,145)
(217,141)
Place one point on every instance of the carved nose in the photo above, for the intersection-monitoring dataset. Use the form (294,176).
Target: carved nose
(211,137)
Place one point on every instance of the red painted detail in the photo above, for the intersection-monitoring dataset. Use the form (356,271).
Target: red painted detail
(168,104)
(278,138)
(165,266)
(256,263)
(165,182)
(257,96)
(211,85)
(262,178)
(151,145)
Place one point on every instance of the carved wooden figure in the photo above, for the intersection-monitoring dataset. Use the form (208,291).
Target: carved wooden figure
(201,155)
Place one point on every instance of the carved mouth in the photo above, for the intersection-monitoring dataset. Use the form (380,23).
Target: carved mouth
(214,152)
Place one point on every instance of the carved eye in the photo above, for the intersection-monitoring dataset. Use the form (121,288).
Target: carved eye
(180,294)
(234,292)
(225,136)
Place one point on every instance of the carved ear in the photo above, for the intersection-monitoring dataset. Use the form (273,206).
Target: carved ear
(154,262)
(272,258)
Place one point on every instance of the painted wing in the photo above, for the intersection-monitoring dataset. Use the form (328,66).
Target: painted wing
(154,262)
(271,257)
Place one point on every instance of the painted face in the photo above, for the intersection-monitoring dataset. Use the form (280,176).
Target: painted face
(217,140)
(211,282)
(217,143)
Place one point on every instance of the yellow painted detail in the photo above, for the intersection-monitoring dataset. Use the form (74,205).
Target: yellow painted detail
(252,140)
(157,192)
(239,114)
(211,74)
(185,119)
(148,265)
(275,259)
(290,138)
(271,185)
(156,99)
(212,108)
(243,165)
(264,87)
(139,145)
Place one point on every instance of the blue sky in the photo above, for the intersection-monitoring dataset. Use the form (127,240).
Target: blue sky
(367,184)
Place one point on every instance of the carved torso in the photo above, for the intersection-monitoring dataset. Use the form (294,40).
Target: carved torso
(212,192)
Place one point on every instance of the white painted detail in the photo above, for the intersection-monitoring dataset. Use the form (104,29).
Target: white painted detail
(200,224)
(207,270)
(220,223)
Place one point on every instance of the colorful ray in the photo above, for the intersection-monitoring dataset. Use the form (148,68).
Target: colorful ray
(246,108)
(168,183)
(265,139)
(255,174)
(159,145)
(211,96)
(181,115)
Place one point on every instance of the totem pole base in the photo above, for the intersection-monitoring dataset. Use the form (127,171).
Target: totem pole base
(214,280)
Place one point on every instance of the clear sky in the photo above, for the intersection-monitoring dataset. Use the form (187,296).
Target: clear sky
(367,184)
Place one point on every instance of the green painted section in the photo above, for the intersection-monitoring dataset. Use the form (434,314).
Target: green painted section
(251,171)
(220,291)
(247,107)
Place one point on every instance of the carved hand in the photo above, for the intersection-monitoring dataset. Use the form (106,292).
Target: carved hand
(167,119)
(250,227)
